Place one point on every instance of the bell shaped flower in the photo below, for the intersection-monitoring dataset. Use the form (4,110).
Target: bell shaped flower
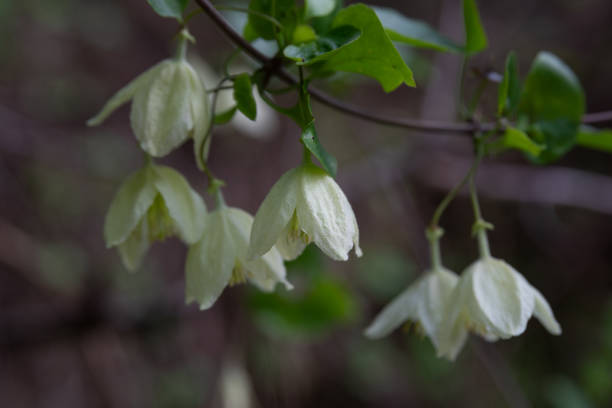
(495,301)
(154,203)
(169,105)
(305,205)
(219,258)
(425,303)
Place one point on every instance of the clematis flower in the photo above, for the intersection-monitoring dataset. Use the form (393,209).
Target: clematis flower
(424,303)
(154,203)
(169,105)
(305,205)
(495,301)
(219,258)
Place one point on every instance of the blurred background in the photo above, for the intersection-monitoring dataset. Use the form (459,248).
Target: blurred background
(78,330)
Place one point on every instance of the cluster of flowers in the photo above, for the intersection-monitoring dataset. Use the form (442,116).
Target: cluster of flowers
(227,245)
(490,299)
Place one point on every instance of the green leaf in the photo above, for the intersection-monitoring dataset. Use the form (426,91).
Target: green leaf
(551,91)
(510,88)
(224,117)
(283,11)
(373,54)
(319,8)
(303,33)
(598,139)
(413,32)
(553,102)
(323,47)
(323,24)
(169,8)
(311,141)
(514,138)
(243,95)
(475,37)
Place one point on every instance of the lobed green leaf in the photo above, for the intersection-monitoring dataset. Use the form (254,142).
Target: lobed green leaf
(323,47)
(475,36)
(243,95)
(312,143)
(169,8)
(514,138)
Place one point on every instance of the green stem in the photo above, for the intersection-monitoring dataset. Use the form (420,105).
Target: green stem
(480,224)
(464,63)
(433,236)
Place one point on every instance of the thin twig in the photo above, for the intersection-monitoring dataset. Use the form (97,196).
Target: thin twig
(414,124)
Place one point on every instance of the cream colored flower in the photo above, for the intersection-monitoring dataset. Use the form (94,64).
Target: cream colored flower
(219,259)
(495,301)
(305,205)
(153,203)
(169,105)
(425,303)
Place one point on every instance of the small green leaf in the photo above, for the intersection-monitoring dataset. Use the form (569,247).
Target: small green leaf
(475,36)
(510,88)
(551,91)
(514,138)
(557,136)
(224,117)
(319,8)
(323,47)
(372,54)
(303,33)
(169,8)
(598,139)
(311,141)
(413,32)
(281,10)
(243,95)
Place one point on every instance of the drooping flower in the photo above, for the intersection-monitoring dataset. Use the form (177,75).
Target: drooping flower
(153,203)
(424,303)
(169,105)
(220,258)
(495,301)
(305,205)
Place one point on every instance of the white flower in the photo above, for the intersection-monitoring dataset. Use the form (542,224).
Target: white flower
(153,203)
(305,205)
(219,259)
(169,105)
(425,303)
(495,301)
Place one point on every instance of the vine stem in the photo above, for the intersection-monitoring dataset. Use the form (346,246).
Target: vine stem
(422,125)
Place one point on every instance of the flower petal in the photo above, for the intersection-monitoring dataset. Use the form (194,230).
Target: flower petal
(123,95)
(503,299)
(202,117)
(544,314)
(403,307)
(273,215)
(210,262)
(185,206)
(161,112)
(133,249)
(436,290)
(291,243)
(130,204)
(325,214)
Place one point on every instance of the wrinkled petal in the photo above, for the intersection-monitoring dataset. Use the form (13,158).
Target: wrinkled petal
(202,117)
(403,307)
(133,249)
(437,288)
(273,215)
(161,112)
(129,206)
(185,206)
(210,262)
(544,314)
(124,95)
(503,299)
(291,242)
(325,214)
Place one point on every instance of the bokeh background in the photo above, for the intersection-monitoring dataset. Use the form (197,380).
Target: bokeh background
(78,330)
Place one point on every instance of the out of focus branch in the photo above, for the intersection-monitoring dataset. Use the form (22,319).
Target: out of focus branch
(423,125)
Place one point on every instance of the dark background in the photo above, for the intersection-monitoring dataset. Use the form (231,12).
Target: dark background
(77,330)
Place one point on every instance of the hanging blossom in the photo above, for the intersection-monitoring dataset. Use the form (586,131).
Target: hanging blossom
(424,303)
(169,104)
(154,203)
(493,300)
(220,259)
(305,205)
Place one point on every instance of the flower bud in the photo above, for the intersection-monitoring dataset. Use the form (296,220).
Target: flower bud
(305,205)
(154,203)
(219,259)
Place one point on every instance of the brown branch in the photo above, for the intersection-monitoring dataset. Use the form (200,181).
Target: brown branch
(406,123)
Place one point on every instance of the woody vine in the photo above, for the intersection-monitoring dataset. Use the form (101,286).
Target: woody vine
(543,116)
